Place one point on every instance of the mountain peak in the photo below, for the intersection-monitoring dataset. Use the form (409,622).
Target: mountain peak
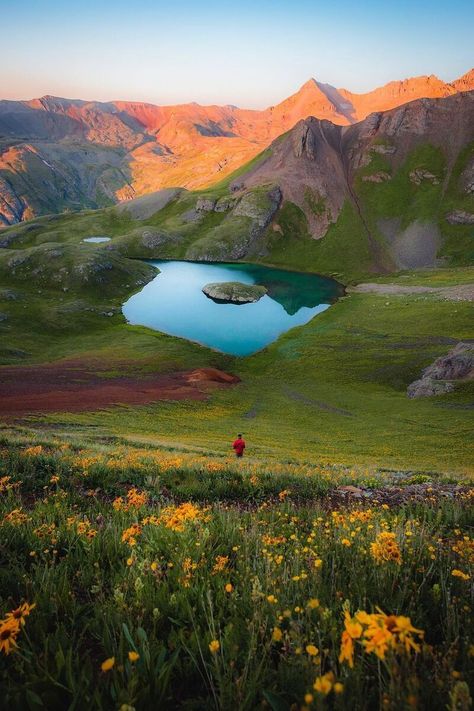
(308,87)
(466,82)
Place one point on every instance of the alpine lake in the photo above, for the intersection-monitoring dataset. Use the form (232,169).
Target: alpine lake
(173,303)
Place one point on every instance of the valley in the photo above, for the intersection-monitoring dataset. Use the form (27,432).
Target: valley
(173,276)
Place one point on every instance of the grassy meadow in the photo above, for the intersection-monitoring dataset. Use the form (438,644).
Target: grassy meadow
(142,567)
(340,382)
(136,578)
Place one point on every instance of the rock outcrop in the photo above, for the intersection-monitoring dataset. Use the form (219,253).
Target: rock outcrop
(441,376)
(460,217)
(379,177)
(234,292)
(418,176)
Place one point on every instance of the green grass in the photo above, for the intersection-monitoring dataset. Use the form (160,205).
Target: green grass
(399,196)
(343,253)
(340,381)
(459,243)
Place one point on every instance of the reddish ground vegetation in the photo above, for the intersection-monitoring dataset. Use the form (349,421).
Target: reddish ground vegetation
(70,386)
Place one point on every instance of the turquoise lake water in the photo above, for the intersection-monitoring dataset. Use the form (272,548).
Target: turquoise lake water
(174,303)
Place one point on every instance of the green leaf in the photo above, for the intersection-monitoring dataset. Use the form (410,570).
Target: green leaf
(33,699)
(128,636)
(276,702)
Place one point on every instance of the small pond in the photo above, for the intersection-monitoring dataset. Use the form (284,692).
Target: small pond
(174,303)
(96,240)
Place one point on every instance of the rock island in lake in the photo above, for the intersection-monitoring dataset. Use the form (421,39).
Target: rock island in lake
(234,292)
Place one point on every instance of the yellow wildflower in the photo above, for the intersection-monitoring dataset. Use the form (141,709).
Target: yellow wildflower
(9,630)
(385,548)
(220,564)
(130,534)
(108,664)
(324,684)
(277,634)
(214,646)
(20,613)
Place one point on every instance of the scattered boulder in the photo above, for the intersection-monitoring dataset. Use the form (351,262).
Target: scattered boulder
(427,387)
(460,217)
(382,148)
(153,238)
(437,378)
(419,175)
(225,203)
(349,490)
(234,292)
(379,177)
(259,205)
(8,295)
(467,179)
(205,204)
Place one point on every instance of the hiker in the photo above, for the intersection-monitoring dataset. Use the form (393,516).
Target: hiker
(239,446)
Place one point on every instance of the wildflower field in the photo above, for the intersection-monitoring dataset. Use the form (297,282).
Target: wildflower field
(130,580)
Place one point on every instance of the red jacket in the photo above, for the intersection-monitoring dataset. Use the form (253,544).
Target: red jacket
(239,446)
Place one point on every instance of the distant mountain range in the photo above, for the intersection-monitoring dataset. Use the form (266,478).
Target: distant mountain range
(60,154)
(392,192)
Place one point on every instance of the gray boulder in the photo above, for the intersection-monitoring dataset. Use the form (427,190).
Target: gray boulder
(457,364)
(379,177)
(205,204)
(427,387)
(419,175)
(438,377)
(460,217)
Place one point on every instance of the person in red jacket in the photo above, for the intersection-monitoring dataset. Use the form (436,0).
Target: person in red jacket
(239,446)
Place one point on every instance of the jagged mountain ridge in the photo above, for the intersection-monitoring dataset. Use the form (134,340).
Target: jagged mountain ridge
(58,154)
(395,191)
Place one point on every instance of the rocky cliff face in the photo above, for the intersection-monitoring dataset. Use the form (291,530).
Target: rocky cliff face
(404,155)
(58,154)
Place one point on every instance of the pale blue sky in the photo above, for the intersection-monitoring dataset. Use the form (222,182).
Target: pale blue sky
(252,54)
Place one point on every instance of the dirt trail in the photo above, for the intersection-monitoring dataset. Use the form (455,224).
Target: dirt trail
(68,386)
(463,292)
